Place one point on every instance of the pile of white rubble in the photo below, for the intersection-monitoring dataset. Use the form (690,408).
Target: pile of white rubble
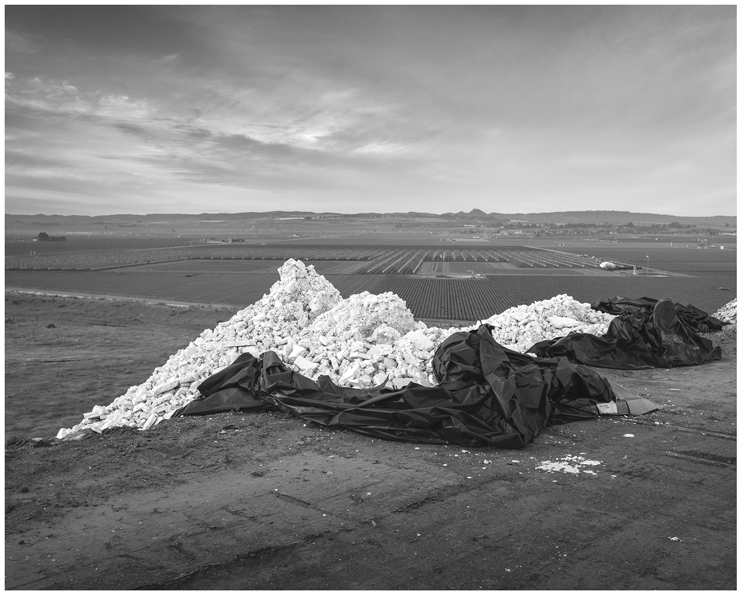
(728,313)
(362,341)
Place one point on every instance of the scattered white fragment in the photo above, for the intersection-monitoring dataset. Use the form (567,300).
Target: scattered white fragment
(628,435)
(557,467)
(568,464)
(675,539)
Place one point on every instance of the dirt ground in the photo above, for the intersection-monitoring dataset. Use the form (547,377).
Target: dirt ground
(264,501)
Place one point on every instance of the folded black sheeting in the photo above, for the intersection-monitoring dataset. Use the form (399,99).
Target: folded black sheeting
(690,315)
(487,395)
(646,334)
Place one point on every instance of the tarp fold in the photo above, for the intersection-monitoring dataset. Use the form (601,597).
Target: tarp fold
(646,334)
(487,394)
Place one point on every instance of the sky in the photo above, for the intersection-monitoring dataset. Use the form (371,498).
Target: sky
(205,109)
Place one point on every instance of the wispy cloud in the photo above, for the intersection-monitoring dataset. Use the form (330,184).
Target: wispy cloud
(21,43)
(484,106)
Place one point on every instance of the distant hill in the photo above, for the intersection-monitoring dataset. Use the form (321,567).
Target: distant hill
(584,216)
(614,217)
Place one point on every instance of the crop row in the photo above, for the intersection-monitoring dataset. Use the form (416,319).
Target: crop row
(384,261)
(407,262)
(474,299)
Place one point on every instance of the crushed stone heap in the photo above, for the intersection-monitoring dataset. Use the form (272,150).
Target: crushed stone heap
(728,313)
(362,341)
(520,327)
(295,300)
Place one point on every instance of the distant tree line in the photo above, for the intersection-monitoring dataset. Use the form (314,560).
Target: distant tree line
(45,237)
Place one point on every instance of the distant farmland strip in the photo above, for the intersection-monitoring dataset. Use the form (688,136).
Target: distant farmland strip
(427,298)
(389,261)
(239,267)
(107,259)
(205,288)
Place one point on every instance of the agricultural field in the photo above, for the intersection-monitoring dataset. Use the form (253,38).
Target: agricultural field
(689,261)
(473,299)
(76,261)
(462,299)
(88,244)
(383,260)
(193,267)
(436,280)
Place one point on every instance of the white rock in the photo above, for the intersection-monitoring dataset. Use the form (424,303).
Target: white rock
(150,422)
(562,322)
(304,364)
(379,378)
(297,351)
(164,387)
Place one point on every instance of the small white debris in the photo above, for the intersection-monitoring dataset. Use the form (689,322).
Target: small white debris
(628,435)
(568,464)
(557,467)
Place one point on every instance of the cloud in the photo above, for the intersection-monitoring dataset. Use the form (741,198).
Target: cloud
(488,106)
(61,97)
(21,43)
(382,149)
(166,61)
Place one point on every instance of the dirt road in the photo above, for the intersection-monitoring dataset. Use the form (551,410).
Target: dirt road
(265,501)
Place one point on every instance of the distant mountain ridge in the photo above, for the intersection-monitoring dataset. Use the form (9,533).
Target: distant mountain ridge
(583,216)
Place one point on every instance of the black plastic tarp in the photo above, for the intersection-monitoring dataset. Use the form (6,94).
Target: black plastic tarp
(688,314)
(487,394)
(646,334)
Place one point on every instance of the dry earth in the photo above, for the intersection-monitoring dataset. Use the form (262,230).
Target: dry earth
(265,501)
